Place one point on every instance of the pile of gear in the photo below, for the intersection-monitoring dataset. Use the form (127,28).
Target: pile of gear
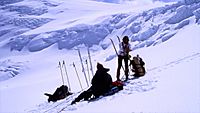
(101,83)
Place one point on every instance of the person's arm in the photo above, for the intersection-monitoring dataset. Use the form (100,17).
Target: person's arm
(130,48)
(120,49)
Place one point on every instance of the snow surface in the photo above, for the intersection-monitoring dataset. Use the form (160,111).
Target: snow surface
(36,35)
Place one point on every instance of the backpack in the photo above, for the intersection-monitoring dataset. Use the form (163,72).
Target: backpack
(59,94)
(137,66)
(116,87)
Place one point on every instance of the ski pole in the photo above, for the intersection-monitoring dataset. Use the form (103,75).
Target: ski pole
(83,69)
(118,38)
(87,69)
(61,72)
(77,76)
(90,61)
(66,75)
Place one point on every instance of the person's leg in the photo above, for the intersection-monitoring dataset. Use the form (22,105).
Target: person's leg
(80,97)
(126,66)
(88,94)
(119,67)
(85,95)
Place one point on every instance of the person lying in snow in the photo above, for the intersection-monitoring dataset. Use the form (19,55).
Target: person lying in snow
(59,94)
(101,85)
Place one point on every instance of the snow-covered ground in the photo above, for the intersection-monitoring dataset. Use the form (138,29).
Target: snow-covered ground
(36,35)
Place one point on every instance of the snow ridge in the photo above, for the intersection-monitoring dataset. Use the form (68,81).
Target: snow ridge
(148,28)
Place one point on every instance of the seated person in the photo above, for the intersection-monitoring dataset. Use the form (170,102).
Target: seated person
(101,83)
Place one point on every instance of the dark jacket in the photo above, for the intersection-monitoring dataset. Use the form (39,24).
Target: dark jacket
(101,82)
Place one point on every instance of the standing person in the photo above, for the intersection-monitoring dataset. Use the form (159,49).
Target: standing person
(101,83)
(124,49)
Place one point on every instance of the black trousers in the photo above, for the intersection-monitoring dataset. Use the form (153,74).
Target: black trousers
(120,59)
(84,95)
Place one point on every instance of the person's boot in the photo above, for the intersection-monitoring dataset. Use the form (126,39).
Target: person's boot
(73,102)
(118,77)
(126,74)
(126,78)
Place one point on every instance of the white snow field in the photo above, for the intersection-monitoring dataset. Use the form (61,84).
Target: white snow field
(36,34)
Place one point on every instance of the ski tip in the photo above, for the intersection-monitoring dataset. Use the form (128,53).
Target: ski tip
(73,64)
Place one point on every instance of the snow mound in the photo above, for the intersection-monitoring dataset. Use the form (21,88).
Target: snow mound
(10,69)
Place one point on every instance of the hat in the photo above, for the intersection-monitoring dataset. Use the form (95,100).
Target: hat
(99,66)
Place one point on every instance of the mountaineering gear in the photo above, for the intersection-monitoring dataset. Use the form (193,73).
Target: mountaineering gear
(138,66)
(87,69)
(65,69)
(63,90)
(114,46)
(123,54)
(77,75)
(61,72)
(90,61)
(59,94)
(101,83)
(116,49)
(83,69)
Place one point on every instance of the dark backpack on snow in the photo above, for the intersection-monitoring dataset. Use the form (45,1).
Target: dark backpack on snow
(59,94)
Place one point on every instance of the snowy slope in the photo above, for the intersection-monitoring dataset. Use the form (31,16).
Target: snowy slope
(161,35)
(170,85)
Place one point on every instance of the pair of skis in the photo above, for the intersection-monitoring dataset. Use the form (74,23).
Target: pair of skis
(116,49)
(83,68)
(61,66)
